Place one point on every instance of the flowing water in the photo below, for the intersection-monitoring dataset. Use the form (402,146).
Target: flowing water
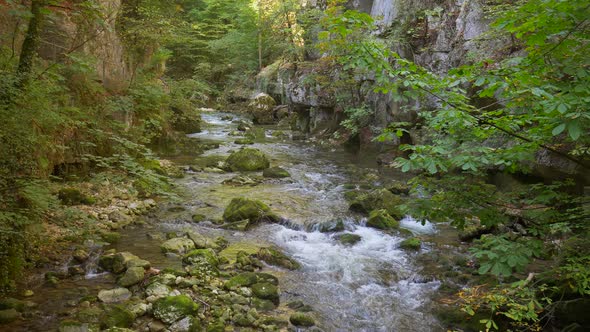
(371,286)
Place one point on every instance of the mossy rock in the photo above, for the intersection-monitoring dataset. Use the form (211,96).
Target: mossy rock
(117,316)
(201,256)
(132,276)
(398,188)
(247,159)
(263,305)
(9,316)
(412,243)
(262,109)
(243,180)
(266,291)
(349,239)
(243,208)
(12,303)
(72,196)
(172,308)
(244,141)
(197,217)
(241,280)
(91,315)
(110,237)
(256,134)
(275,173)
(69,325)
(380,219)
(178,245)
(378,199)
(301,319)
(267,277)
(216,161)
(274,256)
(185,119)
(116,263)
(330,226)
(230,253)
(114,295)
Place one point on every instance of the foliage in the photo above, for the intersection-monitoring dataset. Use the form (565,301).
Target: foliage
(501,256)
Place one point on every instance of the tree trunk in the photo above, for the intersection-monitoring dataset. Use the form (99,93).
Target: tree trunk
(30,45)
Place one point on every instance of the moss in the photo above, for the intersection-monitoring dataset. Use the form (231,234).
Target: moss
(198,217)
(232,250)
(244,141)
(275,172)
(177,245)
(380,219)
(263,305)
(378,199)
(8,316)
(110,237)
(266,291)
(301,319)
(132,276)
(241,280)
(349,239)
(243,208)
(117,316)
(412,243)
(72,196)
(247,159)
(275,257)
(172,308)
(201,256)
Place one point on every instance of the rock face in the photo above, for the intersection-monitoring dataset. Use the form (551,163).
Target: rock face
(262,109)
(247,159)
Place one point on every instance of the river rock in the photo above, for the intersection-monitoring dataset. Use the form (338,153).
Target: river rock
(242,180)
(186,324)
(117,316)
(376,200)
(75,326)
(262,109)
(156,291)
(244,141)
(243,208)
(197,217)
(9,316)
(266,291)
(276,173)
(116,263)
(301,319)
(80,255)
(349,239)
(172,308)
(200,241)
(241,280)
(380,219)
(132,276)
(274,256)
(201,257)
(412,243)
(114,295)
(247,159)
(138,263)
(178,245)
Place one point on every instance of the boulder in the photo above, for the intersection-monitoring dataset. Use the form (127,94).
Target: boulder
(157,290)
(172,308)
(72,196)
(412,243)
(274,256)
(117,316)
(266,291)
(197,217)
(247,159)
(178,245)
(276,173)
(262,109)
(380,219)
(301,319)
(114,295)
(241,280)
(244,141)
(243,208)
(375,200)
(349,239)
(9,316)
(132,276)
(201,257)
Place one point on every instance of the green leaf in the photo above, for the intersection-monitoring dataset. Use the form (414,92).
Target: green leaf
(574,130)
(559,129)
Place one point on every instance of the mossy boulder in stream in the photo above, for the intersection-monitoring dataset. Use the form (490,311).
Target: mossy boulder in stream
(172,308)
(412,243)
(349,239)
(301,319)
(266,291)
(262,109)
(241,280)
(132,276)
(117,316)
(375,200)
(381,219)
(116,263)
(253,210)
(244,141)
(114,295)
(178,245)
(247,159)
(201,257)
(276,173)
(274,256)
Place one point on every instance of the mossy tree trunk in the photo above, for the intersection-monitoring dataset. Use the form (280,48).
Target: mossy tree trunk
(30,44)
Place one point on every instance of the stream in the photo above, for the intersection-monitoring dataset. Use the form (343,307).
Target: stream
(371,286)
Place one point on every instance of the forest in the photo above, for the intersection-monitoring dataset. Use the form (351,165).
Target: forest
(294,165)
